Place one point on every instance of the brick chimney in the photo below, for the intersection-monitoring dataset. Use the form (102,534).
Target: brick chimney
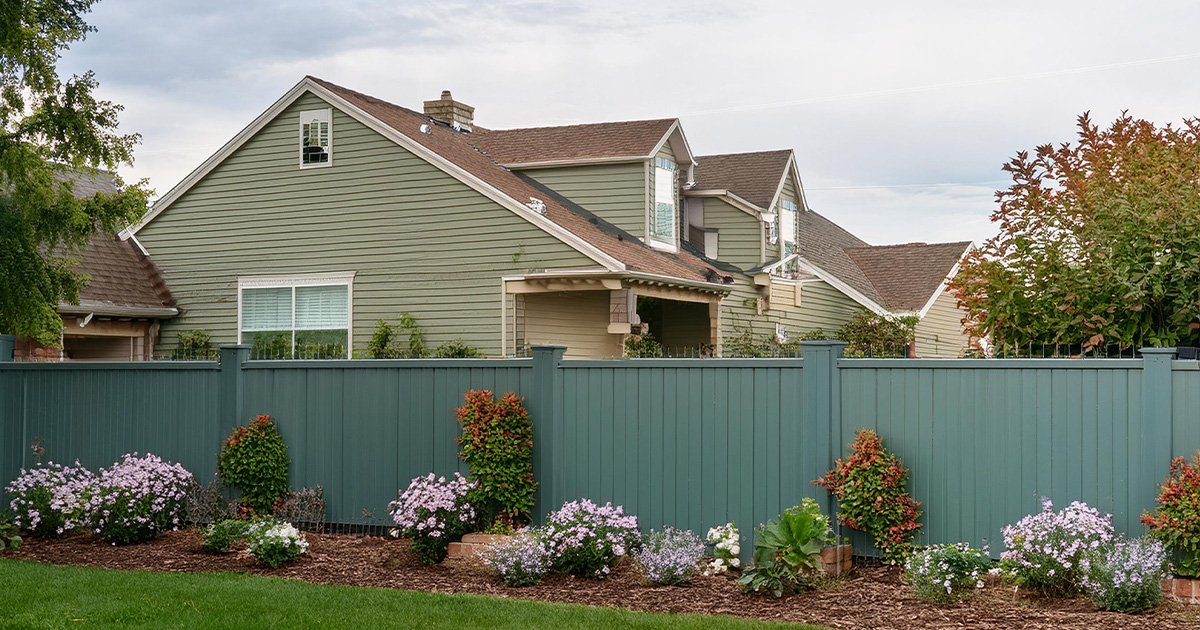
(453,113)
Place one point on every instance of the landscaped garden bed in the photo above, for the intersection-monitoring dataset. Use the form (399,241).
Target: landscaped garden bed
(872,597)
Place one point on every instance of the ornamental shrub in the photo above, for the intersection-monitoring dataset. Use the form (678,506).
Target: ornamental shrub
(1051,551)
(1127,575)
(220,537)
(254,460)
(49,500)
(671,556)
(433,512)
(457,349)
(497,443)
(521,560)
(138,497)
(727,544)
(275,542)
(787,550)
(586,539)
(946,573)
(9,538)
(1176,521)
(869,488)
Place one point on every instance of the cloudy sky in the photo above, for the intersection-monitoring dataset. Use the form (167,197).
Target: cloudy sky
(900,114)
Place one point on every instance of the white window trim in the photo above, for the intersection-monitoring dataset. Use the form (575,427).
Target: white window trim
(342,278)
(671,246)
(322,115)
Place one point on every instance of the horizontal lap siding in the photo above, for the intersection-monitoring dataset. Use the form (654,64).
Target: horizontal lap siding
(821,307)
(613,192)
(420,241)
(739,235)
(575,319)
(940,333)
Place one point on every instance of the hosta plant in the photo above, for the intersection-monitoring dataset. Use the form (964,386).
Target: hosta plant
(1051,551)
(946,573)
(586,539)
(787,551)
(671,556)
(520,560)
(433,512)
(50,500)
(1176,521)
(275,542)
(1127,576)
(220,537)
(727,544)
(138,497)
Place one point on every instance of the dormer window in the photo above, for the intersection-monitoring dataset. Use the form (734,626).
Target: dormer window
(662,215)
(787,225)
(316,138)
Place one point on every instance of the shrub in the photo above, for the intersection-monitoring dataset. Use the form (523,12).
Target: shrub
(727,544)
(275,542)
(871,334)
(9,538)
(220,537)
(946,573)
(254,460)
(206,504)
(586,539)
(304,507)
(1050,551)
(1176,521)
(497,443)
(521,560)
(1127,576)
(787,550)
(456,349)
(432,512)
(50,500)
(671,556)
(869,488)
(138,497)
(194,344)
(385,341)
(642,346)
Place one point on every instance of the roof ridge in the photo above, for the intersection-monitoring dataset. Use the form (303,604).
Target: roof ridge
(740,153)
(588,124)
(912,244)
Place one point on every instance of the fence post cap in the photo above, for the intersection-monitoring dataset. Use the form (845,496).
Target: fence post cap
(236,346)
(823,343)
(1157,350)
(549,346)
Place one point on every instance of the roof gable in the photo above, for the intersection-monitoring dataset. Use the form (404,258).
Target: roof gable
(755,177)
(907,276)
(576,144)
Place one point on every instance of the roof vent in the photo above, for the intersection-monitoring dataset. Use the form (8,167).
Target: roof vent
(458,115)
(426,129)
(537,205)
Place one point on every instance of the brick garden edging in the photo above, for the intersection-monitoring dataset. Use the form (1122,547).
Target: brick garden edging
(1182,590)
(472,545)
(836,561)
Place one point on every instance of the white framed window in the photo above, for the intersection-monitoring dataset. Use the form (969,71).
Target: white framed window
(788,215)
(316,138)
(662,215)
(305,317)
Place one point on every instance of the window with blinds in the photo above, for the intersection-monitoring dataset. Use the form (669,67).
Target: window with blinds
(662,220)
(315,137)
(306,321)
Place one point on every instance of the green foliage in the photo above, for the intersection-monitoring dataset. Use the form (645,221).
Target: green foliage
(9,538)
(220,537)
(254,460)
(744,343)
(50,132)
(871,497)
(271,345)
(642,346)
(1098,243)
(497,443)
(946,573)
(1176,521)
(787,551)
(457,349)
(386,343)
(872,334)
(193,344)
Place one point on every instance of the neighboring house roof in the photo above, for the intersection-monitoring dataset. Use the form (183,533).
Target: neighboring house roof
(823,243)
(122,280)
(754,177)
(907,275)
(634,139)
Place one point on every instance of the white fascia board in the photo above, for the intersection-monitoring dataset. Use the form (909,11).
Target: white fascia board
(942,287)
(794,169)
(732,199)
(619,159)
(849,291)
(674,135)
(713,287)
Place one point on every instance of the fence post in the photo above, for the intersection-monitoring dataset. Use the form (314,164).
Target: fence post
(546,405)
(232,358)
(822,410)
(8,344)
(1152,441)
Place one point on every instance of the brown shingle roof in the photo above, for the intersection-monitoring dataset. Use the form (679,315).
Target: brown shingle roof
(906,276)
(457,147)
(752,176)
(633,138)
(823,243)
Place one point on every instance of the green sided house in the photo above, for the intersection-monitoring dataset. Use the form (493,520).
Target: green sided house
(334,209)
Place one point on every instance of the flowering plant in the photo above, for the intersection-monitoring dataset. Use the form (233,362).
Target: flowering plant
(1127,576)
(49,500)
(587,539)
(1176,522)
(275,542)
(727,544)
(870,491)
(946,573)
(138,497)
(671,556)
(1051,551)
(521,560)
(431,512)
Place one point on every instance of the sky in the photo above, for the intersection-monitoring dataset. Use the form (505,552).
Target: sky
(901,114)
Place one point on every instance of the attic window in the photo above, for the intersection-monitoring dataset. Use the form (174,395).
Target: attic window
(787,226)
(662,214)
(316,138)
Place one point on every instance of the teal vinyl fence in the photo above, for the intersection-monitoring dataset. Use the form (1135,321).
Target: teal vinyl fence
(691,443)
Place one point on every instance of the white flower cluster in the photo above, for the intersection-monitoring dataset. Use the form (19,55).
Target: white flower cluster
(276,542)
(726,542)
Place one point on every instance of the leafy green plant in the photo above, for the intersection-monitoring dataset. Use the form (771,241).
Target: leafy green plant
(497,443)
(275,542)
(193,344)
(220,537)
(946,573)
(457,349)
(271,345)
(871,497)
(254,460)
(642,346)
(1176,521)
(385,342)
(872,334)
(787,551)
(9,538)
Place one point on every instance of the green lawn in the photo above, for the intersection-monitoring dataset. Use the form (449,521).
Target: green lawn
(36,596)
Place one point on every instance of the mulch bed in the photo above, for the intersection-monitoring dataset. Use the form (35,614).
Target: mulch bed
(873,597)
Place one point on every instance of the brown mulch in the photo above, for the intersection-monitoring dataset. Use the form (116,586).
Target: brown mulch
(873,597)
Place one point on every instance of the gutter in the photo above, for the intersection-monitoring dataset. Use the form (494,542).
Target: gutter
(141,312)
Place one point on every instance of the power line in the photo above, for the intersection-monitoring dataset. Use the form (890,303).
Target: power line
(886,186)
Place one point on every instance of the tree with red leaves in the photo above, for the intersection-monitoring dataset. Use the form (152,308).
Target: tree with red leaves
(1176,522)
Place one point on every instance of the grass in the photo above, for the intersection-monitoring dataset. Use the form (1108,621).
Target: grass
(37,596)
